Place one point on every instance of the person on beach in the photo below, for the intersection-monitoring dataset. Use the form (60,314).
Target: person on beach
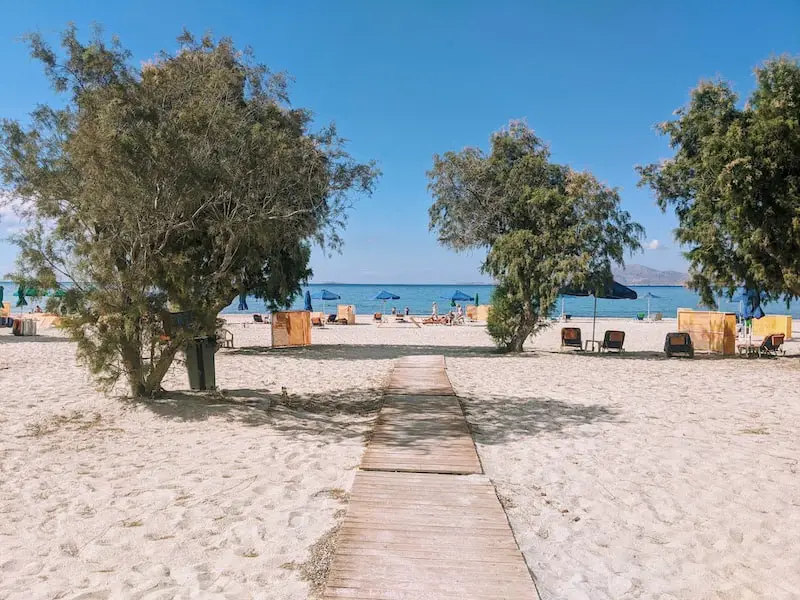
(407,311)
(435,310)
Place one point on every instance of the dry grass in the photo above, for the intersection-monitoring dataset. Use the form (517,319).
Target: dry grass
(72,421)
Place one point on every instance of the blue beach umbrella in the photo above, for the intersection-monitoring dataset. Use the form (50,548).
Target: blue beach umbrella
(325,295)
(384,295)
(308,301)
(612,291)
(458,296)
(243,301)
(649,297)
(751,304)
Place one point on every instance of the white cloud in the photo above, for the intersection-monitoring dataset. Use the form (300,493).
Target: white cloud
(654,245)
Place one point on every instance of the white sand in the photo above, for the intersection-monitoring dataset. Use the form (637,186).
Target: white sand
(683,474)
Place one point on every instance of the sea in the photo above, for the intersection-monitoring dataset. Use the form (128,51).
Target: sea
(419,300)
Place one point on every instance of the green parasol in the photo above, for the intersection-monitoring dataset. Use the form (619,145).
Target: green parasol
(21,298)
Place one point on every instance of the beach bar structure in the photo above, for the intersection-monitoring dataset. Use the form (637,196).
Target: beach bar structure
(291,328)
(710,331)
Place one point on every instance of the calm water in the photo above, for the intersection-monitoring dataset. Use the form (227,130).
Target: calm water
(418,298)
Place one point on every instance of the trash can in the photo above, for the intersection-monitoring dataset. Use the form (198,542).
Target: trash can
(200,363)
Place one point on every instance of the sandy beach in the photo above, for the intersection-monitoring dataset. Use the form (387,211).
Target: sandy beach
(623,476)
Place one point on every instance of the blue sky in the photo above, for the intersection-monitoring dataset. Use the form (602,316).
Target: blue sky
(405,80)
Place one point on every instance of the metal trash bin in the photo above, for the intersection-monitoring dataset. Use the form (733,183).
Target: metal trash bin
(200,363)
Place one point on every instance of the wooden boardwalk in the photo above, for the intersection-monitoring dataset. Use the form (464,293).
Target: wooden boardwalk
(414,528)
(422,435)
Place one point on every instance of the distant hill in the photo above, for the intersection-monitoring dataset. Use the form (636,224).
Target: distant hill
(641,275)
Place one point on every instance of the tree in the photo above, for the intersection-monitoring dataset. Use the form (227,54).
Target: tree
(734,183)
(544,225)
(180,183)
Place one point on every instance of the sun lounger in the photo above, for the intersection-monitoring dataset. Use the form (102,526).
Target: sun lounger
(571,338)
(377,317)
(770,346)
(257,319)
(317,321)
(613,341)
(640,316)
(678,343)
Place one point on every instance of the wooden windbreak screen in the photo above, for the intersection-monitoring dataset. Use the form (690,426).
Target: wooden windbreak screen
(291,328)
(769,324)
(711,331)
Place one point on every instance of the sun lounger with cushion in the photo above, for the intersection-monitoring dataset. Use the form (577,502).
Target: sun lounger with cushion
(772,345)
(613,341)
(571,338)
(678,343)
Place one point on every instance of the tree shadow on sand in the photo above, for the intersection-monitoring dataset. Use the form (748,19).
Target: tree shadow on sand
(32,339)
(501,419)
(351,414)
(336,415)
(373,351)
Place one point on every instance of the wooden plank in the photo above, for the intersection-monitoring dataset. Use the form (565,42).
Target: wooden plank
(420,379)
(435,361)
(423,435)
(409,545)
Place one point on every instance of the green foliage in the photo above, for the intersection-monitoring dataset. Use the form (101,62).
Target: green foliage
(734,184)
(178,184)
(544,225)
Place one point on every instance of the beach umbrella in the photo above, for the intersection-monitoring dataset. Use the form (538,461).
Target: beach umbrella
(477,301)
(308,302)
(612,291)
(59,293)
(21,297)
(384,296)
(457,296)
(750,300)
(2,289)
(33,292)
(243,301)
(325,295)
(649,297)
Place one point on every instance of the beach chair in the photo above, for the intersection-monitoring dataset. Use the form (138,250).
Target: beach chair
(331,318)
(658,316)
(257,319)
(613,341)
(640,316)
(771,345)
(571,338)
(678,343)
(317,320)
(224,338)
(377,317)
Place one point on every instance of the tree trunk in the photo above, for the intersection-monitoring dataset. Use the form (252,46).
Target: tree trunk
(134,368)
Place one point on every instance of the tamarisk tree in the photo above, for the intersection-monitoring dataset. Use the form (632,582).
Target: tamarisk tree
(734,183)
(544,226)
(178,183)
